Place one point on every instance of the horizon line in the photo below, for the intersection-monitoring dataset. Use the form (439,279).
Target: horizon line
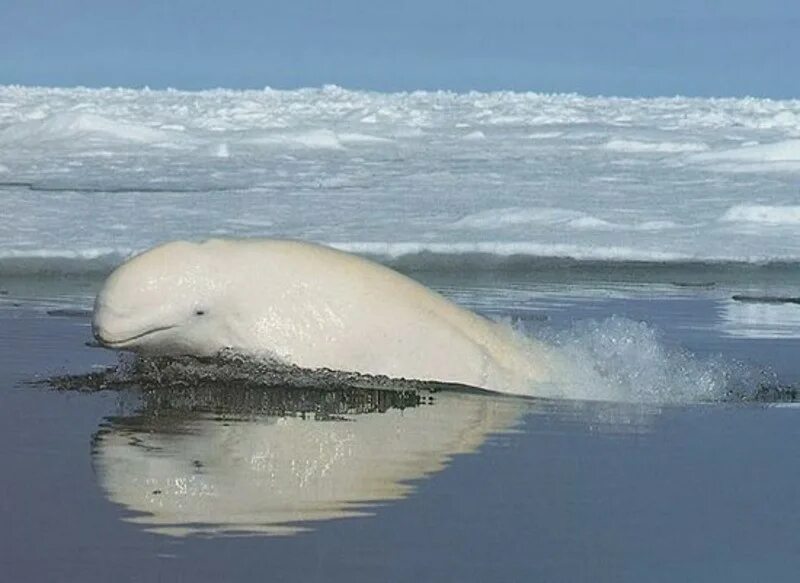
(334,86)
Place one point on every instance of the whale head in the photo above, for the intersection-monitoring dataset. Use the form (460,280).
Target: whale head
(165,301)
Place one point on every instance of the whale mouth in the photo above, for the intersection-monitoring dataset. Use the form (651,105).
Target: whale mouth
(120,343)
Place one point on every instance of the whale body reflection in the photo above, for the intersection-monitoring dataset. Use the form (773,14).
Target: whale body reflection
(222,471)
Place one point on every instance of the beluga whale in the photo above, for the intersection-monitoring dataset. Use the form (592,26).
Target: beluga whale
(309,306)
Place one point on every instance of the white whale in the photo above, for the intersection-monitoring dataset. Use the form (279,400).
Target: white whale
(204,474)
(309,306)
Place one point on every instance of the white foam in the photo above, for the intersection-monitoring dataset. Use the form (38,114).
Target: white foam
(763,214)
(621,360)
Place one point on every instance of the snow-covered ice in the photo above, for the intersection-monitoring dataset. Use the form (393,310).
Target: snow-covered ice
(88,176)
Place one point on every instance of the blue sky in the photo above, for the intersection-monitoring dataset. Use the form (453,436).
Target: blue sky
(611,47)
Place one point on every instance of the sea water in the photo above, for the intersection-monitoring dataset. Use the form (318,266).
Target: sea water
(492,198)
(652,242)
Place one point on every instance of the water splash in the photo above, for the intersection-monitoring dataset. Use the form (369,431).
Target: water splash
(622,360)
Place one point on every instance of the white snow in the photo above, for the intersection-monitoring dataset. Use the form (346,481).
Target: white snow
(671,179)
(323,139)
(477,135)
(69,126)
(782,151)
(544,135)
(634,146)
(355,138)
(779,156)
(505,217)
(763,214)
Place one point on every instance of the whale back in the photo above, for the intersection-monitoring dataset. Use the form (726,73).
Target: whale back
(317,307)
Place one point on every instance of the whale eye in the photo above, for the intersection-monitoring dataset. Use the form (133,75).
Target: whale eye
(199,312)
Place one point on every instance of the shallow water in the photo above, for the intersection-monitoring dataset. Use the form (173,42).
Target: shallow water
(336,485)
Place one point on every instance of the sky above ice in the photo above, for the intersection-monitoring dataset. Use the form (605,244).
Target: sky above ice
(611,47)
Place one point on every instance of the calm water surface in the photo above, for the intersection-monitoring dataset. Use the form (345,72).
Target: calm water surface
(328,486)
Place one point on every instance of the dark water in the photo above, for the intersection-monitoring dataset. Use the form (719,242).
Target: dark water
(452,487)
